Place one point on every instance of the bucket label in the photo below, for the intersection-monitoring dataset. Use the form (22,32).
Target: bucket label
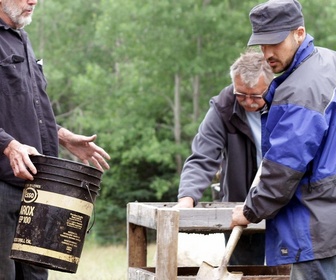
(30,194)
(27,210)
(26,214)
(45,252)
(75,221)
(39,230)
(51,224)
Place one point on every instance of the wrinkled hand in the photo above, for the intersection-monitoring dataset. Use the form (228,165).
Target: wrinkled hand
(238,218)
(18,155)
(184,202)
(84,148)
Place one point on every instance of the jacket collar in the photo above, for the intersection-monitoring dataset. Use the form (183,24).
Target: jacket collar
(4,25)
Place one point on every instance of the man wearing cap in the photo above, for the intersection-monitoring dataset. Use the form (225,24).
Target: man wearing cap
(295,189)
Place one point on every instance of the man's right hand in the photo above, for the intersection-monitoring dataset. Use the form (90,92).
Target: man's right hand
(18,155)
(185,202)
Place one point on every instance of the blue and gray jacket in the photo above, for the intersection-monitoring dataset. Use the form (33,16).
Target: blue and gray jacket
(296,190)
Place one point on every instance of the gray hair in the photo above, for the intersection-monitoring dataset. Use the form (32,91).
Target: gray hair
(250,66)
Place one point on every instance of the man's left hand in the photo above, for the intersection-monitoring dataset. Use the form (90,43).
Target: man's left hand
(84,148)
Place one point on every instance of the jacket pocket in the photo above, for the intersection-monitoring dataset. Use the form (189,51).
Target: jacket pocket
(12,75)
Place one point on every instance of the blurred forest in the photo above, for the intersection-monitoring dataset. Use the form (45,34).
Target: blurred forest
(140,74)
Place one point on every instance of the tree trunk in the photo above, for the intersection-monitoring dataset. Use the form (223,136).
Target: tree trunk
(177,120)
(196,97)
(41,30)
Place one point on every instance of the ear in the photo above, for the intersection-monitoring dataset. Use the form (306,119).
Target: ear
(300,34)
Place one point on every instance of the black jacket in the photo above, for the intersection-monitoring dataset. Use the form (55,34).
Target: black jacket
(25,110)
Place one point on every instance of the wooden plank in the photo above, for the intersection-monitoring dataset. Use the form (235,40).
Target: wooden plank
(205,218)
(142,214)
(140,274)
(199,205)
(258,270)
(149,274)
(167,241)
(211,220)
(189,273)
(136,244)
(265,277)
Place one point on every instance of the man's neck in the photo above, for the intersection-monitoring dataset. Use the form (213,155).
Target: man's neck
(7,20)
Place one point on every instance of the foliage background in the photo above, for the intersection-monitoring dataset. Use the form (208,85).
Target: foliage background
(140,75)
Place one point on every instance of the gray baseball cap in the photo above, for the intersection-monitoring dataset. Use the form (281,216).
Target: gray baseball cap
(273,20)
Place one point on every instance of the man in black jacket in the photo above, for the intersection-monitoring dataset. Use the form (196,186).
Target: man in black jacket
(27,127)
(229,136)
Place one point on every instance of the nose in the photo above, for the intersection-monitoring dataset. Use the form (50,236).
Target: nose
(32,2)
(249,99)
(267,51)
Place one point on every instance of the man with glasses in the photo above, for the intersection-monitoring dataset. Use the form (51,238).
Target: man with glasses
(229,136)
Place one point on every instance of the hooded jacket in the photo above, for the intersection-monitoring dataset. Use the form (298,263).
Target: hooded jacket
(296,190)
(223,137)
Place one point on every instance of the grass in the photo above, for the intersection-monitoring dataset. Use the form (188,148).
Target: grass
(101,263)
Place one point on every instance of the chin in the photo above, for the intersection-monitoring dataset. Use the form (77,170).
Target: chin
(23,21)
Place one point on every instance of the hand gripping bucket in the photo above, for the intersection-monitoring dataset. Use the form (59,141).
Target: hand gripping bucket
(55,211)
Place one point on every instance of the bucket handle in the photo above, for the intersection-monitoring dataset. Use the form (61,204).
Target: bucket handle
(86,185)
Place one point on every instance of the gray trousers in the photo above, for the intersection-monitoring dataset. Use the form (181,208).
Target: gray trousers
(323,269)
(10,202)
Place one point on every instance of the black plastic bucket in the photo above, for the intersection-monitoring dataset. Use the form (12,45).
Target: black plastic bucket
(55,211)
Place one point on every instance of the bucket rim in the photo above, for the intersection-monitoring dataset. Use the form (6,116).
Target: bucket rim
(66,160)
(92,187)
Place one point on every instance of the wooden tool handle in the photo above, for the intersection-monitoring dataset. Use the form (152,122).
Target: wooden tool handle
(231,244)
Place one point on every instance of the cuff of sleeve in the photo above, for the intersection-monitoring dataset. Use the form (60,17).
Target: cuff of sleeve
(250,216)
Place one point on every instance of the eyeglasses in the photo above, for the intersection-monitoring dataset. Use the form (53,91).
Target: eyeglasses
(252,96)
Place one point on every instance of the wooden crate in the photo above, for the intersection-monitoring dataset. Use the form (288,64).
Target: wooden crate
(206,218)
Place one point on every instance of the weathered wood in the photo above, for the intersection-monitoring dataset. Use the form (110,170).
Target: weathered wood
(141,274)
(205,218)
(149,274)
(211,220)
(136,245)
(142,214)
(189,273)
(261,270)
(166,243)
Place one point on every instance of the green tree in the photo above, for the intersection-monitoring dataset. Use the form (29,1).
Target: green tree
(140,75)
(169,58)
